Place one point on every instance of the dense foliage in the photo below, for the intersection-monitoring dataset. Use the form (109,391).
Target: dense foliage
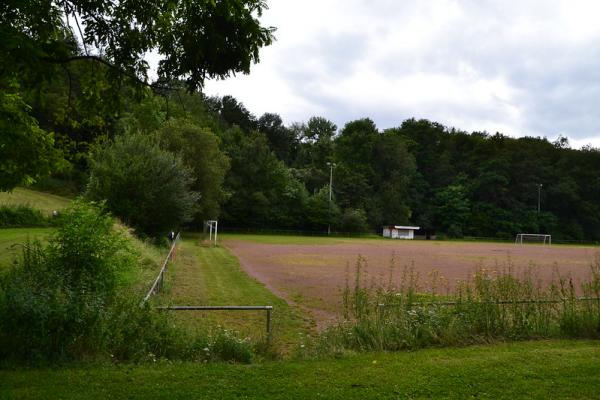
(79,64)
(445,180)
(19,130)
(256,172)
(69,300)
(144,185)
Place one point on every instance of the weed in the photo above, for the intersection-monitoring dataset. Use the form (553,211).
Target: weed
(489,306)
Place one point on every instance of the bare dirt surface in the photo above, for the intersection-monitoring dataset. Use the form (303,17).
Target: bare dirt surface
(314,276)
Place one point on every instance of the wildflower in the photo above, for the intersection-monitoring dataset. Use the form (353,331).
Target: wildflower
(374,361)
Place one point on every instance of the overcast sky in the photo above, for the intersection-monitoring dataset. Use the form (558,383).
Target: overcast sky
(517,67)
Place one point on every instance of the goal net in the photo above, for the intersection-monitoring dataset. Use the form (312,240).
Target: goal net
(525,238)
(212,226)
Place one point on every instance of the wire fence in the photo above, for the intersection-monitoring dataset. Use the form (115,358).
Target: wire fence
(158,283)
(382,306)
(268,309)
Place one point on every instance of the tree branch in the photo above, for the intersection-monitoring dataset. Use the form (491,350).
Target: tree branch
(101,60)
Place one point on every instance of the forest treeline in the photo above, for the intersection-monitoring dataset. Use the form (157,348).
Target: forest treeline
(164,154)
(256,172)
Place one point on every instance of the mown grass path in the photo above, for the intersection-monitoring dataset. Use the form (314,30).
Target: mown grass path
(525,370)
(207,275)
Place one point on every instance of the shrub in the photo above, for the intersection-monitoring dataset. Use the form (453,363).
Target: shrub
(54,302)
(22,216)
(144,185)
(64,302)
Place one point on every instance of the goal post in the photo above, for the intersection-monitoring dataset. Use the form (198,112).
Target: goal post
(213,229)
(524,238)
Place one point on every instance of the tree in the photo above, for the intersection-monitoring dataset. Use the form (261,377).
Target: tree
(199,150)
(320,212)
(354,220)
(26,151)
(147,187)
(197,39)
(233,112)
(395,171)
(79,61)
(355,172)
(281,139)
(261,190)
(452,209)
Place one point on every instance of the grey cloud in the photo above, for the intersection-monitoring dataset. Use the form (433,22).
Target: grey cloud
(555,79)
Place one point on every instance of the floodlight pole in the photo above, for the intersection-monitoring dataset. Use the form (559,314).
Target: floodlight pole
(538,210)
(331,166)
(539,196)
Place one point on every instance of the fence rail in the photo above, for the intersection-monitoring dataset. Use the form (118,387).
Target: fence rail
(158,282)
(453,303)
(268,309)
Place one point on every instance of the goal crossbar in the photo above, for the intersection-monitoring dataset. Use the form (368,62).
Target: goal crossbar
(542,238)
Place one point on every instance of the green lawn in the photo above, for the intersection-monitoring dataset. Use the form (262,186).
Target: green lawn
(317,240)
(526,370)
(43,201)
(10,238)
(294,239)
(205,275)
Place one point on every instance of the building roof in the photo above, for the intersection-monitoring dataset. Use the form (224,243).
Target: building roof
(403,227)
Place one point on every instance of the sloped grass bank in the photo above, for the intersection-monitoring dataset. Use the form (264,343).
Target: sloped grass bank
(523,370)
(77,298)
(10,240)
(45,202)
(207,275)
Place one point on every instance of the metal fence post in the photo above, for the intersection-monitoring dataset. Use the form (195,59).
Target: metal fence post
(269,310)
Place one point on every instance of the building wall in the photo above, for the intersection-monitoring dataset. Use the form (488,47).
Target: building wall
(399,233)
(406,234)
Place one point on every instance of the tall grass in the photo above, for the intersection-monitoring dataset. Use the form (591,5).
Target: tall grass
(509,304)
(65,301)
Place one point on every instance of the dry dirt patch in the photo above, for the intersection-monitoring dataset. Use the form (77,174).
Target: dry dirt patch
(314,275)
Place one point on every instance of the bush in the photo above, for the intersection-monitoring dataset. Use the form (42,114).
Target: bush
(145,186)
(22,216)
(64,302)
(54,302)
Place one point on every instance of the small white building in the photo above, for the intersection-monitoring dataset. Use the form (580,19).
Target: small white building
(399,232)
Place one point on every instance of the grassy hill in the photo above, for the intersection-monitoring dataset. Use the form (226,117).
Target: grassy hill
(11,238)
(43,201)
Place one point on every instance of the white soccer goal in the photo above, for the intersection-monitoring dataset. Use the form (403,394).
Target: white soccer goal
(213,226)
(524,238)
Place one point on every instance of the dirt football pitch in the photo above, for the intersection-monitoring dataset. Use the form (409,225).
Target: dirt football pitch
(313,275)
